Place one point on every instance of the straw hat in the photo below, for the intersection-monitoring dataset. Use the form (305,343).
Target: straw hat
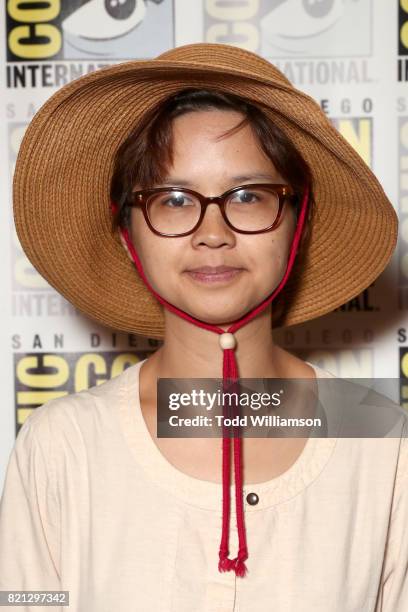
(64,167)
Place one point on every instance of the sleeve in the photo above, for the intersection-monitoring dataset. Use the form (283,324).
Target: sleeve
(393,596)
(29,512)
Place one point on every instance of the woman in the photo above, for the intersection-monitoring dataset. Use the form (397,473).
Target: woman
(212,160)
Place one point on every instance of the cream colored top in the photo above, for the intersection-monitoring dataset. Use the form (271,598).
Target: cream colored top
(90,505)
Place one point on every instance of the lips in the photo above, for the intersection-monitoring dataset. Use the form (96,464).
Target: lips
(214,275)
(213,269)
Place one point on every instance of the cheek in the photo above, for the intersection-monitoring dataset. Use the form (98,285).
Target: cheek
(158,257)
(269,257)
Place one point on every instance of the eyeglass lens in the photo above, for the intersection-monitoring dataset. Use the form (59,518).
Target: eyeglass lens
(176,212)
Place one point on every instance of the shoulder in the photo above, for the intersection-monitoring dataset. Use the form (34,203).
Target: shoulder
(320,372)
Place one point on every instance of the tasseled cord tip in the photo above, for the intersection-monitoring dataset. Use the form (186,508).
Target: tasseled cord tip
(237,565)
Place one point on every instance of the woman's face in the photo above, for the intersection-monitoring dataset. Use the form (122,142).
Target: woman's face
(211,167)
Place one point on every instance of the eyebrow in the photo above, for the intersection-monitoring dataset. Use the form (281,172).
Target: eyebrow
(171,180)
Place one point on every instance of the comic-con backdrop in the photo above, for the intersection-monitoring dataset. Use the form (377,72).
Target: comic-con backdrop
(350,55)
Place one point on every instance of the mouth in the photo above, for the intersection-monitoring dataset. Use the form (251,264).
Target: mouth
(216,274)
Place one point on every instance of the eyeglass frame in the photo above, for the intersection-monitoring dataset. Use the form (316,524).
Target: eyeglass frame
(141,197)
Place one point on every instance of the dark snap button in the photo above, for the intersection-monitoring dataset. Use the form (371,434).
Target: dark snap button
(252,499)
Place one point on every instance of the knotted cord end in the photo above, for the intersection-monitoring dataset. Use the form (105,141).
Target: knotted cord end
(239,563)
(240,568)
(226,565)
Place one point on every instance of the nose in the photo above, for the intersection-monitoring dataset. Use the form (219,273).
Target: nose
(213,229)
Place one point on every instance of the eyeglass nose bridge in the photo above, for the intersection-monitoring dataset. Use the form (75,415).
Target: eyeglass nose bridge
(212,200)
(206,201)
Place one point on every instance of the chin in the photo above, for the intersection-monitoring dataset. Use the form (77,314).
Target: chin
(215,316)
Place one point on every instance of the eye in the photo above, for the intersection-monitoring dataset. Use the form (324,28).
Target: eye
(301,19)
(245,197)
(114,18)
(120,9)
(175,200)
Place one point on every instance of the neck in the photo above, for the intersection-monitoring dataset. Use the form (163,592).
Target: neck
(189,351)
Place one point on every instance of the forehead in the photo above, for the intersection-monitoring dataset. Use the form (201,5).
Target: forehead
(202,146)
(205,133)
(210,124)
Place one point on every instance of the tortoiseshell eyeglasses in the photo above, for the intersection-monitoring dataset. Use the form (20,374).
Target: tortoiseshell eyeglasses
(247,209)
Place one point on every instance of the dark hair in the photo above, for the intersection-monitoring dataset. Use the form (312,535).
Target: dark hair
(145,155)
(147,152)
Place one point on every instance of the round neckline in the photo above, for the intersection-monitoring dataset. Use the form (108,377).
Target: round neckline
(207,494)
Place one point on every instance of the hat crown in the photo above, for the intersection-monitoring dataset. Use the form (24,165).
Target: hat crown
(226,57)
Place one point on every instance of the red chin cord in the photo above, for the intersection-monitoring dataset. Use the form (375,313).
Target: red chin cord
(230,376)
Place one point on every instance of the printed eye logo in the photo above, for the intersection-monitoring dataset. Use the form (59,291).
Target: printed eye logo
(105,19)
(318,8)
(120,9)
(296,19)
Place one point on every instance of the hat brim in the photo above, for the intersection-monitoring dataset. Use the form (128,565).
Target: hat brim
(64,166)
